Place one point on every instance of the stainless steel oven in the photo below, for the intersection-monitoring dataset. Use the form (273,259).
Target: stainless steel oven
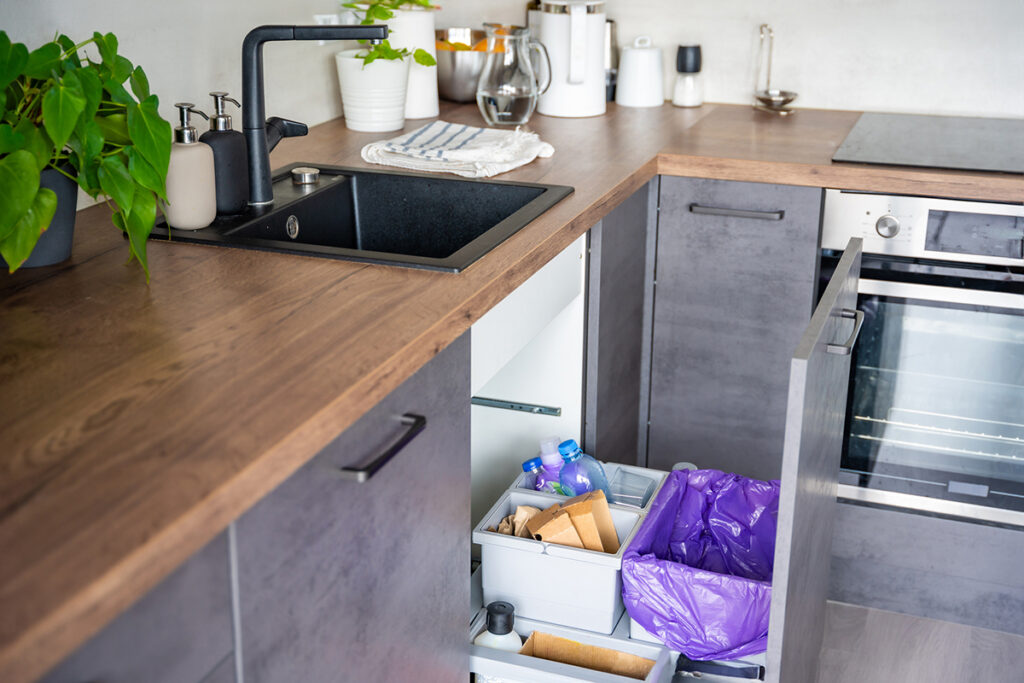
(935,420)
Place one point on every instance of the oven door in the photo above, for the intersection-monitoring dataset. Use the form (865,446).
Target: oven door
(935,417)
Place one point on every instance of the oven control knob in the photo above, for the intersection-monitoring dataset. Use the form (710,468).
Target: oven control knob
(887,226)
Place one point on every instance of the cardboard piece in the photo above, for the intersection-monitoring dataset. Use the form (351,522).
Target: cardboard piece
(554,526)
(552,648)
(515,524)
(590,520)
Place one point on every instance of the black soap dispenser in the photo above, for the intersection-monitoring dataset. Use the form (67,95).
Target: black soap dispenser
(231,166)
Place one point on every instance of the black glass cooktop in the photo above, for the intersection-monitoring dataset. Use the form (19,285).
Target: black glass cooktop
(957,142)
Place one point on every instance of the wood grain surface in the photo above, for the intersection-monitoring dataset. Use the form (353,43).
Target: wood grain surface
(137,421)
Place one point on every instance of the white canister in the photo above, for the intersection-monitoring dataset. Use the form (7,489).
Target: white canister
(573,33)
(372,95)
(641,83)
(413,29)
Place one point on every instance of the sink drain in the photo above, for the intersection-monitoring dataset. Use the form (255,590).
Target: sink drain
(291,226)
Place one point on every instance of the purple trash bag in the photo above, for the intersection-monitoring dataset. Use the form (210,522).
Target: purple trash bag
(697,575)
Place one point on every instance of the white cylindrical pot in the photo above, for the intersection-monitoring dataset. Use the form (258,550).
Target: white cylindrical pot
(372,96)
(641,83)
(414,29)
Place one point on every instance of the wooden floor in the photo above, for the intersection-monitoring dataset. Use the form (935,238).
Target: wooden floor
(865,644)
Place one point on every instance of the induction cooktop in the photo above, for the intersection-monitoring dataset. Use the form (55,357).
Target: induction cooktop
(956,142)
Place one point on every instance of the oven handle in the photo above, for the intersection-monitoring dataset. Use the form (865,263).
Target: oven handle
(846,348)
(940,294)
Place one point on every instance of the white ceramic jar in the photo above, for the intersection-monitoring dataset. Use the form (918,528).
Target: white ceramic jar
(413,29)
(372,95)
(641,83)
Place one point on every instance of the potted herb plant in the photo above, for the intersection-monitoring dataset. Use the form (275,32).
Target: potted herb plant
(411,29)
(66,120)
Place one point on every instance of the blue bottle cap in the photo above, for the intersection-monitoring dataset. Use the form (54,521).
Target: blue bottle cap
(568,447)
(531,464)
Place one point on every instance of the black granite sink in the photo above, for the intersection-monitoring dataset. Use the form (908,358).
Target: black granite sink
(405,219)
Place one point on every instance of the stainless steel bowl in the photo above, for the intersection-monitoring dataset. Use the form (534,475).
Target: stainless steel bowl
(775,99)
(459,70)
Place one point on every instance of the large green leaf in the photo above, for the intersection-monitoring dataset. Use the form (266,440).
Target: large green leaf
(36,142)
(18,245)
(87,142)
(19,183)
(121,69)
(92,88)
(116,182)
(13,57)
(88,178)
(114,128)
(61,108)
(139,83)
(144,174)
(151,135)
(107,45)
(117,92)
(10,140)
(139,223)
(43,61)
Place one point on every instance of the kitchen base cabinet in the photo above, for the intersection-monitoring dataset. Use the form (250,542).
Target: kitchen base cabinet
(180,632)
(735,278)
(341,580)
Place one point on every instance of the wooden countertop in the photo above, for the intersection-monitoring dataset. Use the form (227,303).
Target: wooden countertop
(138,422)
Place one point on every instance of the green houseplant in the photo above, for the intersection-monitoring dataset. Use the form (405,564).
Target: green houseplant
(372,11)
(62,110)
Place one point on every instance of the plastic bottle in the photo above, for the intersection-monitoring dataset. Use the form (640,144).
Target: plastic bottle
(501,616)
(534,466)
(231,165)
(548,479)
(191,188)
(580,472)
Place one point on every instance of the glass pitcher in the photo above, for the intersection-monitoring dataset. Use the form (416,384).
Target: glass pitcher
(507,91)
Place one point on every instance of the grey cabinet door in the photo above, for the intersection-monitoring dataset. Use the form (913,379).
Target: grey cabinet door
(735,284)
(180,632)
(617,273)
(816,413)
(348,581)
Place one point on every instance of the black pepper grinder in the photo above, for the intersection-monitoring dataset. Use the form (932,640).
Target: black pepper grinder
(689,89)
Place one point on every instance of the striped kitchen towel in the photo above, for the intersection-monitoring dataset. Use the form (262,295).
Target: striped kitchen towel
(455,148)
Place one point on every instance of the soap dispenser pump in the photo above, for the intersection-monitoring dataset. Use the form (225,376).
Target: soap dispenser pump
(191,186)
(230,162)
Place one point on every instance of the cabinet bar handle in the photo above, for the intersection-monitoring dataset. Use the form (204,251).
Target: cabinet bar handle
(737,213)
(417,423)
(846,347)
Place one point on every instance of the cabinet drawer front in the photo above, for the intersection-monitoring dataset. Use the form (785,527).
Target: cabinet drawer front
(360,581)
(735,288)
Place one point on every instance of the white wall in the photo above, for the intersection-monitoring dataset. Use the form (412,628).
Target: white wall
(917,56)
(932,56)
(190,47)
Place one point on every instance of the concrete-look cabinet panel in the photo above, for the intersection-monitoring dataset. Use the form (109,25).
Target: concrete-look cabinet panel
(816,408)
(180,632)
(348,581)
(929,566)
(615,417)
(735,280)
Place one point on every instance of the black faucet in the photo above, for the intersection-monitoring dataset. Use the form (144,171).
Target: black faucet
(262,137)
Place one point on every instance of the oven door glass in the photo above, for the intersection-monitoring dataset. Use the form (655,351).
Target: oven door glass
(937,398)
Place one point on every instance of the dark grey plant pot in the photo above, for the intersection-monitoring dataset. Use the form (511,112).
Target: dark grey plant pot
(54,244)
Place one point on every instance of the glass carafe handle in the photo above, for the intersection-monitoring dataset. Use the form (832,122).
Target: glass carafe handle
(537,46)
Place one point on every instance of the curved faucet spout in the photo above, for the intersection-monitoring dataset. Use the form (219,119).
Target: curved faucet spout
(253,104)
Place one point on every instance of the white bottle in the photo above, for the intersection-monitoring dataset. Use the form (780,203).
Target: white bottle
(191,186)
(501,616)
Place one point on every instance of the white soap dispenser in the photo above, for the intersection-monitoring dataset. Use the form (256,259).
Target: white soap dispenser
(191,185)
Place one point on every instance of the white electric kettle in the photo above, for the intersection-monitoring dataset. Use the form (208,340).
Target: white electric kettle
(573,33)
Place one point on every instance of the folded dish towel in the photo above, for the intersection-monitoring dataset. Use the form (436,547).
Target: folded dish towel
(454,148)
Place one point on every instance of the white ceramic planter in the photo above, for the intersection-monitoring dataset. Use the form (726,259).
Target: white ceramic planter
(414,28)
(372,96)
